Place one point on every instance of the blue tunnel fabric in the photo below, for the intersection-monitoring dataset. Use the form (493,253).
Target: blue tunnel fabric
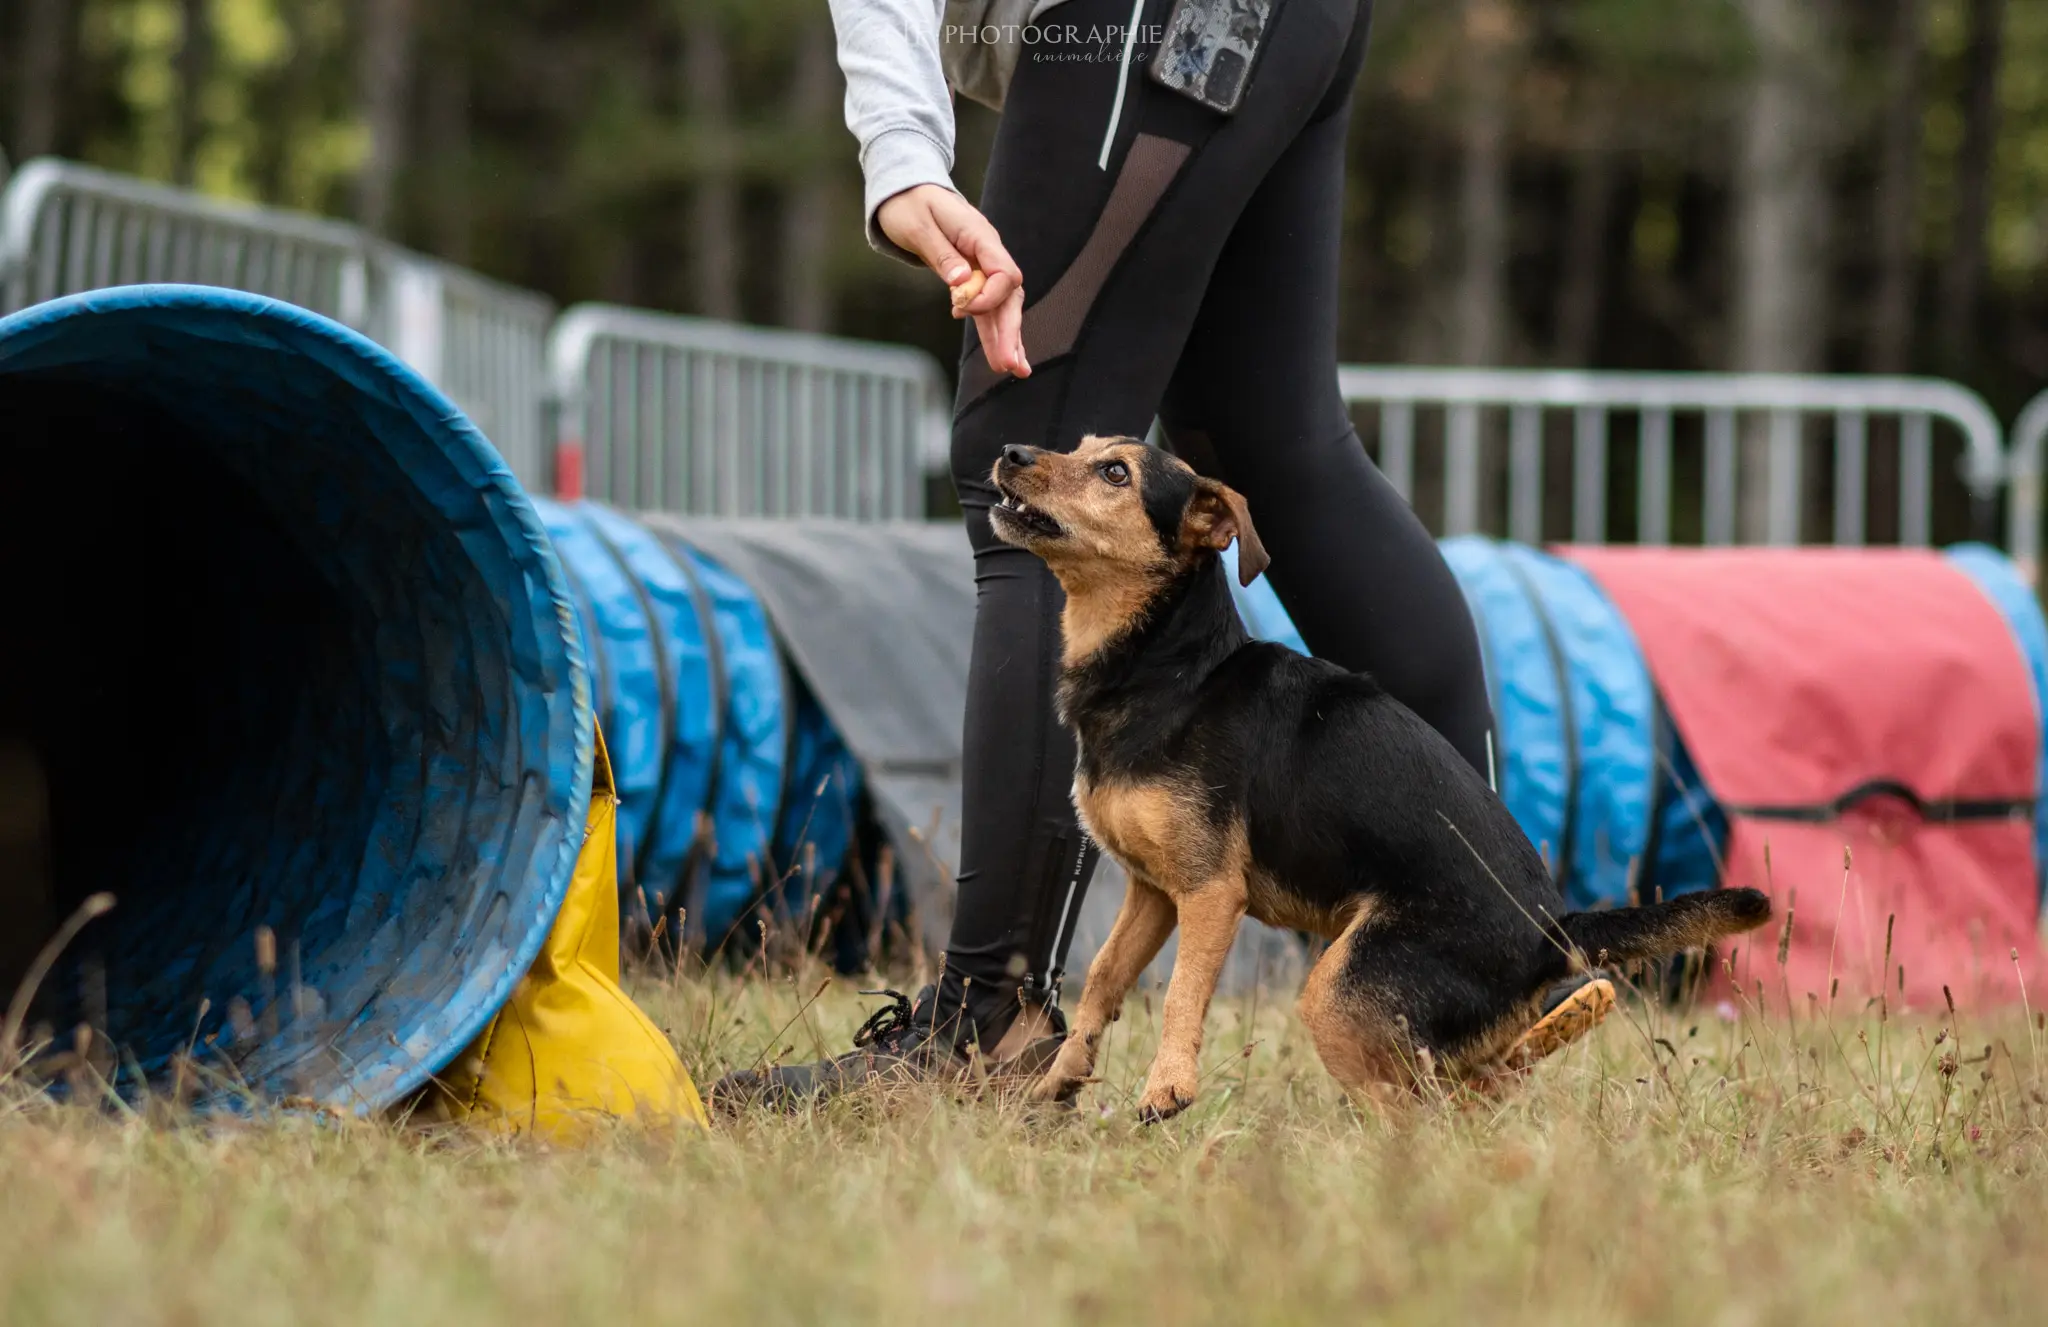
(707,722)
(1536,733)
(658,702)
(1614,710)
(820,804)
(1690,829)
(333,687)
(627,659)
(1576,712)
(745,802)
(684,653)
(2001,582)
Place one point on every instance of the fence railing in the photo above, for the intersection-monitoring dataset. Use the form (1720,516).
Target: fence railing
(687,415)
(694,416)
(67,228)
(1733,409)
(2024,464)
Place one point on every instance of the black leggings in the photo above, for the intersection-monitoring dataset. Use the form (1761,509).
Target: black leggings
(1194,279)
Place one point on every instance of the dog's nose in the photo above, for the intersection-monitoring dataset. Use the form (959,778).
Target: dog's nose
(1019,456)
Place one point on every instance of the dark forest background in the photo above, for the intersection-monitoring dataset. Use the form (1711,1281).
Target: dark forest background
(1840,185)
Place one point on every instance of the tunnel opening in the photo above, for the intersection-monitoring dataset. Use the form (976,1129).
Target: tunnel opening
(292,681)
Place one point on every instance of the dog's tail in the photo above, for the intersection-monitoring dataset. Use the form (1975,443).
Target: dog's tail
(1657,930)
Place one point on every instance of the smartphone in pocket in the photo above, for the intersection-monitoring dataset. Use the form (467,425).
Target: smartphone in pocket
(1211,48)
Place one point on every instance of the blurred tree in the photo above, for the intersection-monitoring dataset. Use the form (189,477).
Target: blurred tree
(384,104)
(195,66)
(1480,318)
(1898,190)
(1781,195)
(42,41)
(1595,166)
(808,214)
(714,215)
(1782,205)
(1481,315)
(1963,271)
(440,201)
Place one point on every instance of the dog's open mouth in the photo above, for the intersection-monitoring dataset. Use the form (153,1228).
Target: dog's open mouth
(1022,517)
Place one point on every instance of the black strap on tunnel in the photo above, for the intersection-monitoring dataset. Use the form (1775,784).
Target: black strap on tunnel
(1568,716)
(681,888)
(665,688)
(771,880)
(1934,813)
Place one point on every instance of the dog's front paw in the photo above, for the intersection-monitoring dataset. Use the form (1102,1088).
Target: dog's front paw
(1069,1071)
(1166,1095)
(1053,1088)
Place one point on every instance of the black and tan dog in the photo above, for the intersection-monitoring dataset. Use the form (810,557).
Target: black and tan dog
(1229,776)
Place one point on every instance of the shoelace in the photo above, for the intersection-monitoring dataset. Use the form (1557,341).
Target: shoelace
(887,1021)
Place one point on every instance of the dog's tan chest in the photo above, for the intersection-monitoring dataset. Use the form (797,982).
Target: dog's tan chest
(1159,831)
(1163,833)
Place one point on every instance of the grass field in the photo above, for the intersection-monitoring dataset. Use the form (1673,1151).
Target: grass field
(1673,1169)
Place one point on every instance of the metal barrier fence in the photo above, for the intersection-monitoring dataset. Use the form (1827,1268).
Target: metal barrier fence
(687,415)
(2024,462)
(67,228)
(1778,404)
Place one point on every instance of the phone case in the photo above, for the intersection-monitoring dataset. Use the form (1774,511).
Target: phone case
(1209,49)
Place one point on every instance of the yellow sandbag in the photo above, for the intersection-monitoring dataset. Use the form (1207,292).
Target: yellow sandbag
(570,1047)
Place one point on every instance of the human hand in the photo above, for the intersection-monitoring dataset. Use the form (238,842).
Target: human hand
(955,240)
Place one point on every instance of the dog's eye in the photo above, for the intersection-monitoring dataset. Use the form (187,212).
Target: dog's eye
(1116,472)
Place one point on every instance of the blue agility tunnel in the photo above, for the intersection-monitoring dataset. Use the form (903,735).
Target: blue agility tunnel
(737,794)
(291,654)
(1586,756)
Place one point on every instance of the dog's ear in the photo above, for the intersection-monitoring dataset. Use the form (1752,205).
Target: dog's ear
(1217,515)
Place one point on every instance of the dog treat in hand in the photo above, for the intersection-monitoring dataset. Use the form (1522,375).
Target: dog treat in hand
(969,287)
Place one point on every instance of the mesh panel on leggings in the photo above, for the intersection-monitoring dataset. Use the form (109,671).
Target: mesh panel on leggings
(1052,325)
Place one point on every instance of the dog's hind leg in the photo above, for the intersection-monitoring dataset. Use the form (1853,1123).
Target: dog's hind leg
(1369,1054)
(1140,929)
(1580,1013)
(1209,917)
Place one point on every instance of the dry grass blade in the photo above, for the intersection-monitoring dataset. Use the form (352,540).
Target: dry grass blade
(95,906)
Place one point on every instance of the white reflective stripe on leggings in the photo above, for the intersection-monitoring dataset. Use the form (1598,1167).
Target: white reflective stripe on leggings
(1053,966)
(1123,77)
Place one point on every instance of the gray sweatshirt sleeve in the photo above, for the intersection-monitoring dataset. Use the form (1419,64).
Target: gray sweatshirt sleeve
(897,101)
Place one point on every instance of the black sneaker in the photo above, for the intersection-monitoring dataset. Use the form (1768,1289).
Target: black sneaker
(902,1042)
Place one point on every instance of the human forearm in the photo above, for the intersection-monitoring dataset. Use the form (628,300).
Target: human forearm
(897,102)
